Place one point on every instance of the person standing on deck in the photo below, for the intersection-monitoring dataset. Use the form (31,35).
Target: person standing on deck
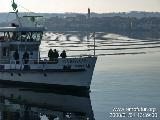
(55,54)
(26,57)
(50,55)
(63,54)
(16,56)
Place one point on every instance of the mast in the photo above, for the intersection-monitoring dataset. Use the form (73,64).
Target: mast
(14,6)
(94,43)
(94,40)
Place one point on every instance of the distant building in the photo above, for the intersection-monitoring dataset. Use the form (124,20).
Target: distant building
(80,17)
(70,19)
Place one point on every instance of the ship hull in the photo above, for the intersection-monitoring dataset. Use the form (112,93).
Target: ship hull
(66,88)
(73,79)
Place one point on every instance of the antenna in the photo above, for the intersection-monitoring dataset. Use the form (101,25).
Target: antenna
(94,38)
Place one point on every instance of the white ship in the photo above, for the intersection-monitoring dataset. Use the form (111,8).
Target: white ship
(72,73)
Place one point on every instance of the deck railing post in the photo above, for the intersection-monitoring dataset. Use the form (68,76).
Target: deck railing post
(15,63)
(94,44)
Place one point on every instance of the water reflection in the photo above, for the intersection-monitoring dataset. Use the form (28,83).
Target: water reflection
(18,103)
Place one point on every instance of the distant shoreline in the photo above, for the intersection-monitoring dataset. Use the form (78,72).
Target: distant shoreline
(106,22)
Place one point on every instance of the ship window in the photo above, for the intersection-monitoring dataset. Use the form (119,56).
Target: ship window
(1,33)
(5,51)
(37,36)
(22,48)
(29,47)
(10,34)
(7,36)
(33,47)
(29,36)
(26,37)
(16,36)
(34,36)
(13,48)
(1,36)
(23,36)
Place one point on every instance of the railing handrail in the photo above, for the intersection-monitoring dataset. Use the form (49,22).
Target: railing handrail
(40,61)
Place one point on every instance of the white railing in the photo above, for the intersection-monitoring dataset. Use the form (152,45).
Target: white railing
(19,65)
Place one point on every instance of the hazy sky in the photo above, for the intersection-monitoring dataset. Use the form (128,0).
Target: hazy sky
(101,6)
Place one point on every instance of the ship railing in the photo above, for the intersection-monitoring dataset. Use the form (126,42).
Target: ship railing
(25,64)
(28,61)
(73,56)
(4,61)
(32,61)
(44,60)
(80,56)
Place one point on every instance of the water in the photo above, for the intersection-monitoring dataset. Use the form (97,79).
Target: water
(126,76)
(128,81)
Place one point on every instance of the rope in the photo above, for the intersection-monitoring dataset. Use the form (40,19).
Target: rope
(26,9)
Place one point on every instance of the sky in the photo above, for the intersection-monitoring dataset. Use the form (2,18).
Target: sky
(81,6)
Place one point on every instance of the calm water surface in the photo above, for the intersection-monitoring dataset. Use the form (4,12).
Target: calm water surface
(126,76)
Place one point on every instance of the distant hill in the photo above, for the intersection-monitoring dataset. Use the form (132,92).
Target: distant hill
(9,16)
(132,21)
(135,14)
(6,17)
